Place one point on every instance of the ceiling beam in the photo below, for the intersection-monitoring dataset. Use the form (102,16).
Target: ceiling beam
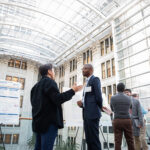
(8,51)
(46,14)
(108,19)
(92,8)
(33,29)
(43,49)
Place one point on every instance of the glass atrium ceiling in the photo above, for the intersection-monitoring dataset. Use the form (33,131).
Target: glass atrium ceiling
(43,30)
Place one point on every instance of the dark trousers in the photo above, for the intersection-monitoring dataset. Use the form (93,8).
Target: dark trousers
(91,127)
(123,126)
(45,141)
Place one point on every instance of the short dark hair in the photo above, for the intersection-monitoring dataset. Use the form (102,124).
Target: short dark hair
(120,87)
(43,69)
(128,90)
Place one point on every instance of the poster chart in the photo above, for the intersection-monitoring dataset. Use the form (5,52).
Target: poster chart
(73,113)
(9,102)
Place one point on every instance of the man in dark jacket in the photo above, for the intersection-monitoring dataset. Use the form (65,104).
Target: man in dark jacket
(92,104)
(46,103)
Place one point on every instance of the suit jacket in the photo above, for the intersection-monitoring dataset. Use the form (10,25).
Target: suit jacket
(93,100)
(46,103)
(137,117)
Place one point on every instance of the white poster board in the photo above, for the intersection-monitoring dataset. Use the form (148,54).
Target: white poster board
(72,112)
(105,119)
(9,102)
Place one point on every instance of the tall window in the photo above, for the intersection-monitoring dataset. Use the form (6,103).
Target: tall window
(113,66)
(84,58)
(103,71)
(61,85)
(17,64)
(87,57)
(24,65)
(102,48)
(111,44)
(7,139)
(11,63)
(61,71)
(114,89)
(15,138)
(104,90)
(108,68)
(107,46)
(72,80)
(73,65)
(109,89)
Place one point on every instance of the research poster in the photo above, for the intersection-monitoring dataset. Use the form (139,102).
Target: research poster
(73,113)
(9,102)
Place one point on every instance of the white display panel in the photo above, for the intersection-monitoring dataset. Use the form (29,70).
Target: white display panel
(9,102)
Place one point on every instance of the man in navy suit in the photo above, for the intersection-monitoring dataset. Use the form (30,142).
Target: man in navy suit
(92,105)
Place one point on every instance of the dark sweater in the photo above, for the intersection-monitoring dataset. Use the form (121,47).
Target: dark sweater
(120,105)
(46,103)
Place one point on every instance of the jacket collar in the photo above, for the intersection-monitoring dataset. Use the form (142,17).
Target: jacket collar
(90,80)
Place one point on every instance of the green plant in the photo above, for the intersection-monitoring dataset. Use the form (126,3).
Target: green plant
(1,148)
(67,146)
(31,142)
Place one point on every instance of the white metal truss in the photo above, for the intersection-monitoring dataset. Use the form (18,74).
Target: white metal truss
(43,51)
(46,14)
(36,30)
(92,8)
(9,51)
(110,17)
